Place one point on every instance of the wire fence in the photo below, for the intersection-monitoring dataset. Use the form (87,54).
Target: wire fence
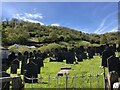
(66,81)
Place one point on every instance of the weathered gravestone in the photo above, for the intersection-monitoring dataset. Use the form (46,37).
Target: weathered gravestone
(31,55)
(14,66)
(58,55)
(84,55)
(90,53)
(20,56)
(106,54)
(101,49)
(39,58)
(11,57)
(114,47)
(70,57)
(5,85)
(53,59)
(34,53)
(17,84)
(31,72)
(63,52)
(112,78)
(24,61)
(114,64)
(39,63)
(78,55)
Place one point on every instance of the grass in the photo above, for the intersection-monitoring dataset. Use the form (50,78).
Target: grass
(88,66)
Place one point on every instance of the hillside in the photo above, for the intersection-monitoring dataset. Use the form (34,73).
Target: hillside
(26,33)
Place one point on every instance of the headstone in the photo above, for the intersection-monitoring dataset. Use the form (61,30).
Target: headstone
(31,55)
(84,55)
(5,85)
(90,53)
(63,52)
(78,55)
(114,64)
(39,63)
(53,59)
(20,56)
(31,72)
(34,53)
(58,55)
(114,47)
(11,57)
(105,55)
(17,84)
(24,61)
(112,78)
(14,66)
(25,57)
(70,57)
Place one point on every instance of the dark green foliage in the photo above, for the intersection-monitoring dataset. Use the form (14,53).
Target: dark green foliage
(103,39)
(16,31)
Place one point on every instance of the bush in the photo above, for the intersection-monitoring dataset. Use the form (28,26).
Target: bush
(20,49)
(49,47)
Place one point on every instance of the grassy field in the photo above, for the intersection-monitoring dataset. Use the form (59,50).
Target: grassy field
(87,67)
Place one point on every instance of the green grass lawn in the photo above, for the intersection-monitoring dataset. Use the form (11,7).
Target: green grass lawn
(88,66)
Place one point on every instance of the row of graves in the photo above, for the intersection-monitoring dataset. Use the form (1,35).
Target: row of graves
(31,62)
(72,55)
(80,53)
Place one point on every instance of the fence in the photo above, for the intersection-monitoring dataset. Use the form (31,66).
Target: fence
(66,81)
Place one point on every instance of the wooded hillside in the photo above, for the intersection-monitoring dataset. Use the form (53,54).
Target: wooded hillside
(25,33)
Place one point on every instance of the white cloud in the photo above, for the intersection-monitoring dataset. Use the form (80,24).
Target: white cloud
(34,16)
(28,17)
(55,24)
(101,26)
(105,28)
(115,29)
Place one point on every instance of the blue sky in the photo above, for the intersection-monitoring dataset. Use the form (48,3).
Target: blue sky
(89,17)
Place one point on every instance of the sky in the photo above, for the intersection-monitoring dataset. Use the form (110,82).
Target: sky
(88,17)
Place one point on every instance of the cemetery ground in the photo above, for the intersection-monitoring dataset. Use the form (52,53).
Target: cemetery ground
(87,67)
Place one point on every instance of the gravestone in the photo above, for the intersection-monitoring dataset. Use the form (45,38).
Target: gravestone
(17,84)
(78,55)
(5,85)
(114,47)
(14,66)
(11,57)
(58,55)
(84,55)
(26,55)
(53,59)
(20,56)
(114,64)
(70,57)
(90,53)
(24,61)
(39,63)
(31,55)
(105,55)
(31,72)
(64,51)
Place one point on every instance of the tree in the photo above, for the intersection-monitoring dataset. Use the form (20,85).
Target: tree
(53,36)
(103,39)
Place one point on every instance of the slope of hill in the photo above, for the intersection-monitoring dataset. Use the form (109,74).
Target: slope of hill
(26,33)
